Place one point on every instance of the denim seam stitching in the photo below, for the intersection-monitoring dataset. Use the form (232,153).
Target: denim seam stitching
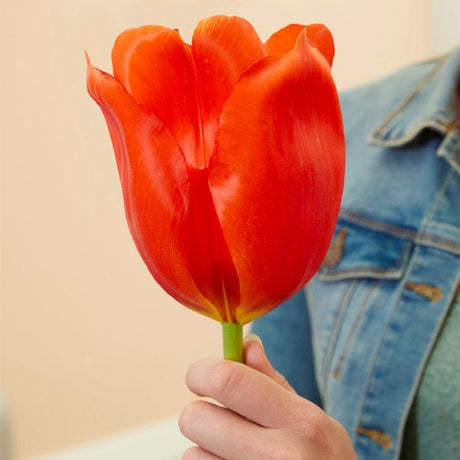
(374,224)
(338,320)
(364,272)
(372,367)
(420,237)
(377,133)
(351,333)
(438,242)
(436,125)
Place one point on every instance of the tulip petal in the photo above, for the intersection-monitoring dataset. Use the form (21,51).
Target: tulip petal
(186,87)
(277,174)
(156,189)
(318,35)
(223,48)
(211,264)
(155,67)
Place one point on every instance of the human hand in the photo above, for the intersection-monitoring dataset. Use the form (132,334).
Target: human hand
(262,418)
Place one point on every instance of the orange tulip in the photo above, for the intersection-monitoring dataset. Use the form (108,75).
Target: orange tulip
(230,153)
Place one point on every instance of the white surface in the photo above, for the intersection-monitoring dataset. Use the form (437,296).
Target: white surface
(160,441)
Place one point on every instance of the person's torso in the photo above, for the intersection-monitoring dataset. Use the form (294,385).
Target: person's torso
(380,297)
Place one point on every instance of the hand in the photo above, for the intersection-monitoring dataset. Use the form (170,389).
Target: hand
(262,418)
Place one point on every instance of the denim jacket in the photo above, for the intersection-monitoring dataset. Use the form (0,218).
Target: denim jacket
(378,302)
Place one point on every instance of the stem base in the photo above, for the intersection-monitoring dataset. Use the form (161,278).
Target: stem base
(233,341)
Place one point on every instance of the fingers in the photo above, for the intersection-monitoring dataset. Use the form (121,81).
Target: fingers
(220,431)
(247,392)
(255,357)
(197,453)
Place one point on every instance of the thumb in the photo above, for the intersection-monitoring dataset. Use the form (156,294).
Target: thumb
(255,357)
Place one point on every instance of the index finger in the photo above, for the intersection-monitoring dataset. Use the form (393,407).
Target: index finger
(248,392)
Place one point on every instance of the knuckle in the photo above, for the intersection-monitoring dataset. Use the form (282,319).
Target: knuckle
(315,427)
(227,378)
(321,431)
(281,379)
(189,417)
(315,432)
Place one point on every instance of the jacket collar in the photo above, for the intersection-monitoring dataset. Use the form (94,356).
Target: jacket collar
(431,105)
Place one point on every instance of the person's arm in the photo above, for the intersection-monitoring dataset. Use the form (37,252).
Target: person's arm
(286,335)
(261,416)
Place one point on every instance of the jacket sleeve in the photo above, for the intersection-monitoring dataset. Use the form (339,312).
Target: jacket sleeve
(286,335)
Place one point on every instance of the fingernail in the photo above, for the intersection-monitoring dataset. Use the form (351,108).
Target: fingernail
(254,338)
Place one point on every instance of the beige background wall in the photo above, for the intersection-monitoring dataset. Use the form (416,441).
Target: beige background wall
(89,343)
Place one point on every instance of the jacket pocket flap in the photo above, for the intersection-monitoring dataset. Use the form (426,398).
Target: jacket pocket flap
(359,252)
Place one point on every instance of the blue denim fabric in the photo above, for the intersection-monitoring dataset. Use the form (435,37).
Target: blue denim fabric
(378,302)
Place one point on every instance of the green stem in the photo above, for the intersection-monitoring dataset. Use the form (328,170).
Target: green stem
(233,341)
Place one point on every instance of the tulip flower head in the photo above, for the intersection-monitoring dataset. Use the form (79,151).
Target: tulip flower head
(230,153)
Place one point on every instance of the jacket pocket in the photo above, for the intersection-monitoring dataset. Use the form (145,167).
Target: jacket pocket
(360,252)
(352,292)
